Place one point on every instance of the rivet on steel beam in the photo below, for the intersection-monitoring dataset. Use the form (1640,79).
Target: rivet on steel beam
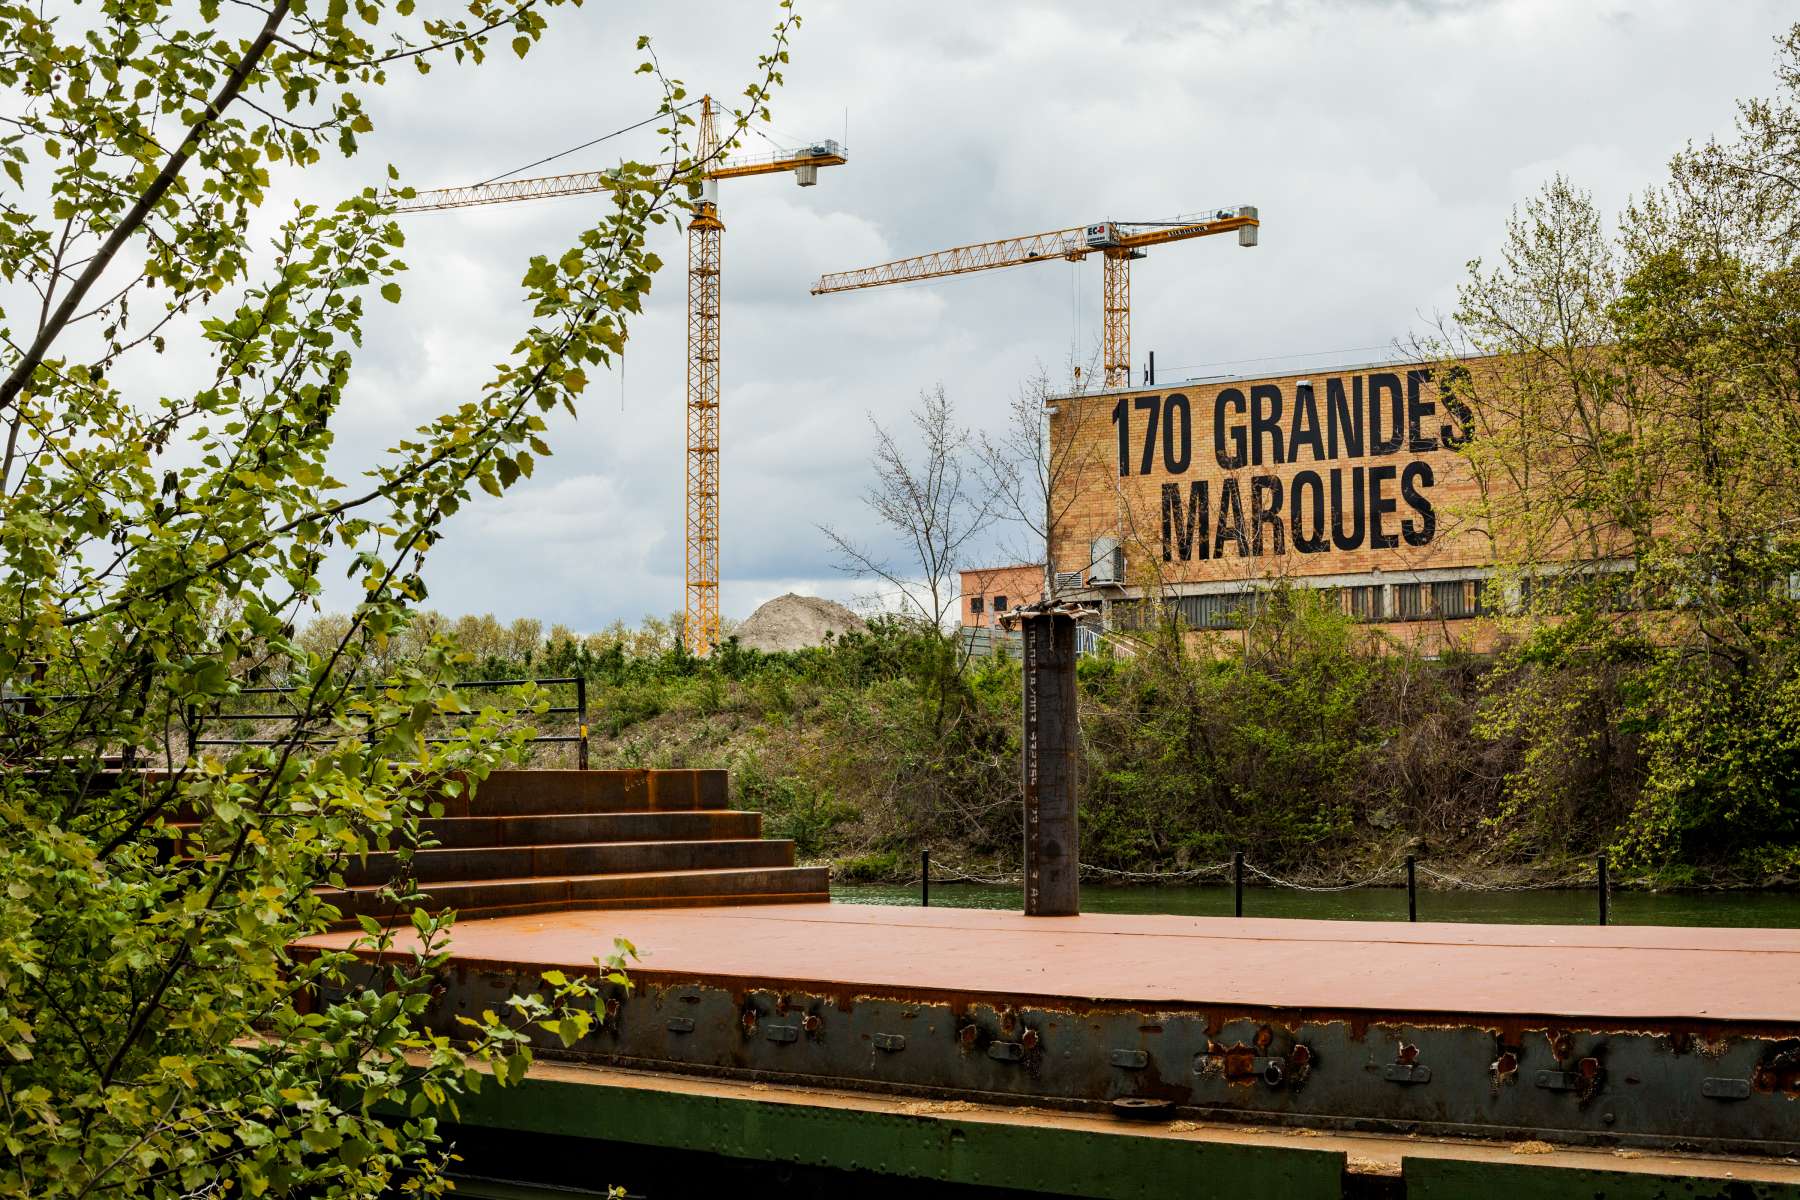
(812,1023)
(1130,1060)
(1725,1089)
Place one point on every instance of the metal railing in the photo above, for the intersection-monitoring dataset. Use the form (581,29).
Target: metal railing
(196,720)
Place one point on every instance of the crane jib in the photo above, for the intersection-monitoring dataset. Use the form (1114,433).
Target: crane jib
(1072,245)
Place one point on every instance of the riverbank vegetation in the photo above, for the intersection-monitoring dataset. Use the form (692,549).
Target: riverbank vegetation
(1312,743)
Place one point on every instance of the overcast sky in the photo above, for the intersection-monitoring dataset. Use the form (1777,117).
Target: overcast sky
(1383,142)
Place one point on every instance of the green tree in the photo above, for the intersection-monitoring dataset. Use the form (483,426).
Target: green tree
(1638,446)
(155,552)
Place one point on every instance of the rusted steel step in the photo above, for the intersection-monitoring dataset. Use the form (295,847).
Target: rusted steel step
(643,888)
(566,828)
(538,792)
(590,858)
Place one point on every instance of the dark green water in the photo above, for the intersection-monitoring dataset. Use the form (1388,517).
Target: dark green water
(1780,910)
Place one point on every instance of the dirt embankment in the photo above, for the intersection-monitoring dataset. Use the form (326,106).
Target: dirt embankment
(794,622)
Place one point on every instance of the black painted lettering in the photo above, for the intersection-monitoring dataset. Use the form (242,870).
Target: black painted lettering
(1231,521)
(1265,510)
(1453,395)
(1381,506)
(1122,421)
(1417,475)
(1183,532)
(1151,405)
(1385,442)
(1316,541)
(1417,407)
(1265,417)
(1234,458)
(1177,447)
(1354,539)
(1306,425)
(1343,415)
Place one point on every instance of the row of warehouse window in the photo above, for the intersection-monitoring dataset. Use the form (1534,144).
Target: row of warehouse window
(1440,600)
(1443,600)
(1451,599)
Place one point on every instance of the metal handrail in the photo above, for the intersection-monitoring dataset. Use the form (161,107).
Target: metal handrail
(579,710)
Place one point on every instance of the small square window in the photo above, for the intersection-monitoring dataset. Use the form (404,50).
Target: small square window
(975,604)
(999,603)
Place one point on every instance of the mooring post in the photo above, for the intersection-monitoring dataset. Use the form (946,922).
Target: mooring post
(1601,863)
(925,879)
(1237,884)
(1412,890)
(1052,843)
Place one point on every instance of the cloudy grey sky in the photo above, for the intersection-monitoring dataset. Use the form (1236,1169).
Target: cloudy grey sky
(1383,142)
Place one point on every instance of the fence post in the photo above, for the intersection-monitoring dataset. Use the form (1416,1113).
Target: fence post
(1237,884)
(924,879)
(581,747)
(1412,890)
(1601,863)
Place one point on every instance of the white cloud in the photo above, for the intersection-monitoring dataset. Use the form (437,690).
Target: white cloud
(1384,143)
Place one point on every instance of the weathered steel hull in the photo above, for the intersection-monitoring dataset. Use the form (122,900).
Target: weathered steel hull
(1167,1017)
(581,1127)
(1692,1088)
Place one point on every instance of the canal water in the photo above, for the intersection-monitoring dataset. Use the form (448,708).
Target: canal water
(1558,906)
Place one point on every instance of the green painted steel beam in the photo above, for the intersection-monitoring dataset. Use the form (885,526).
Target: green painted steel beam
(1468,1179)
(1051,1159)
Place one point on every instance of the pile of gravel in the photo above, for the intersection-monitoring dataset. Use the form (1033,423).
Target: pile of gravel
(793,622)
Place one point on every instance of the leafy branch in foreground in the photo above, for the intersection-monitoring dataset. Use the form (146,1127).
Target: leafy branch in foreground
(156,553)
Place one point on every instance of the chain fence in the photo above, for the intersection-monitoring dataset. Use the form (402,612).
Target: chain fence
(1402,872)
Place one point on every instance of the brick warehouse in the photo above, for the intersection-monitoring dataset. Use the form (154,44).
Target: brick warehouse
(1207,491)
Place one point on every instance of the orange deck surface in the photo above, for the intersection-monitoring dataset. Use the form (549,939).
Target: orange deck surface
(1619,972)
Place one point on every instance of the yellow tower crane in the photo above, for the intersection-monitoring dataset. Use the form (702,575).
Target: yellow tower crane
(1118,242)
(700,625)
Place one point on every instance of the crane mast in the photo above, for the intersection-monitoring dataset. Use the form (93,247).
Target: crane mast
(700,611)
(700,606)
(1117,242)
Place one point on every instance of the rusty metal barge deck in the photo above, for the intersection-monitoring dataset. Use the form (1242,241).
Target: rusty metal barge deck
(1661,1039)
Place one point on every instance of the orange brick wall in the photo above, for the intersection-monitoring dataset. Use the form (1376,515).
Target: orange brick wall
(1021,584)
